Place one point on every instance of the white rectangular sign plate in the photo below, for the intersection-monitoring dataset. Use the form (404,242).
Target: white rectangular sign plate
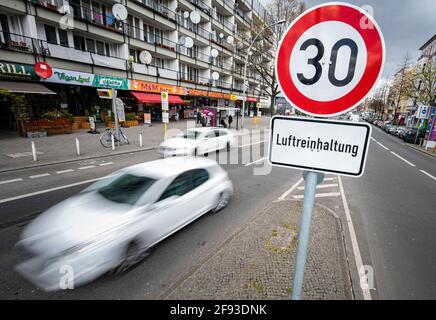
(338,147)
(165,117)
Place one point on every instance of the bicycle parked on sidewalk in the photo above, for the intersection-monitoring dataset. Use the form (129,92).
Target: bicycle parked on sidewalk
(106,138)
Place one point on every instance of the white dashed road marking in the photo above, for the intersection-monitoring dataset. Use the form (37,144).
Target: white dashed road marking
(105,163)
(400,157)
(64,171)
(428,174)
(322,186)
(39,175)
(384,147)
(319,195)
(259,160)
(10,181)
(284,195)
(86,167)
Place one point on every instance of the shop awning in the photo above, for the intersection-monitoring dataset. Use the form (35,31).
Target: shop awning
(25,87)
(155,98)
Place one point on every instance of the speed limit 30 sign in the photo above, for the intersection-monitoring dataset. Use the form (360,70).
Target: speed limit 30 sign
(330,58)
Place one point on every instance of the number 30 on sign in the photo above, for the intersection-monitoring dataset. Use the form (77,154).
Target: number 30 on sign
(330,58)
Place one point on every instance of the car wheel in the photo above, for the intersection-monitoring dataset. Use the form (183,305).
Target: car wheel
(133,255)
(222,201)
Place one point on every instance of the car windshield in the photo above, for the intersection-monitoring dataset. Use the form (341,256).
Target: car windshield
(126,189)
(189,134)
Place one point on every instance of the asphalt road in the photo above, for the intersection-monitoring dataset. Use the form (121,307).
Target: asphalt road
(170,260)
(392,208)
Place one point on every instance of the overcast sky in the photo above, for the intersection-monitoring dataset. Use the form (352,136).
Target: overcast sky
(406,25)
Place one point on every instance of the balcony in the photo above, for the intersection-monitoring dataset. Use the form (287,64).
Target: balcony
(184,76)
(201,5)
(159,8)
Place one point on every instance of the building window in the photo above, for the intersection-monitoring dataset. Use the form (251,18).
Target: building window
(79,42)
(100,48)
(90,45)
(63,38)
(50,34)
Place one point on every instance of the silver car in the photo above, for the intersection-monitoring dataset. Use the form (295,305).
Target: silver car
(113,224)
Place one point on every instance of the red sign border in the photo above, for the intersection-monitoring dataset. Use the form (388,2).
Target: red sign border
(374,41)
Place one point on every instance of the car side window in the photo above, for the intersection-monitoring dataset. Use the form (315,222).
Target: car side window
(222,133)
(179,186)
(211,135)
(199,176)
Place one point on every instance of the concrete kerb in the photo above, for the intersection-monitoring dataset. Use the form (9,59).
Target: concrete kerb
(420,150)
(37,165)
(170,290)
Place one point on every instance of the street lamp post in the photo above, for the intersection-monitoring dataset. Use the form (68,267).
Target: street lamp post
(244,96)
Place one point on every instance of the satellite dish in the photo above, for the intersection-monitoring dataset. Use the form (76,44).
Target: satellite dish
(215,75)
(189,43)
(195,17)
(214,53)
(186,14)
(182,40)
(145,57)
(119,11)
(221,35)
(230,40)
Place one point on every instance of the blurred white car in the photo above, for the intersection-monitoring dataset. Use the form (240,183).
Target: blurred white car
(113,224)
(198,141)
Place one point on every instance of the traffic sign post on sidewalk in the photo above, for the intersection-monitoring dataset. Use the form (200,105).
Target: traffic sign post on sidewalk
(328,60)
(165,116)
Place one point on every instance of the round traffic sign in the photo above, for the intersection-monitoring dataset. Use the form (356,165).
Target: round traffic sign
(330,58)
(43,70)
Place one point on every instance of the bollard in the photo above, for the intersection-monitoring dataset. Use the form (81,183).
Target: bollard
(140,140)
(34,151)
(78,146)
(113,142)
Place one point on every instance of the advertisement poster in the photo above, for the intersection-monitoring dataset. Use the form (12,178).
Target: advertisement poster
(147,118)
(110,82)
(120,110)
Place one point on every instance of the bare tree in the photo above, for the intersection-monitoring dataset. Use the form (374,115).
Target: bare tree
(261,61)
(422,88)
(401,86)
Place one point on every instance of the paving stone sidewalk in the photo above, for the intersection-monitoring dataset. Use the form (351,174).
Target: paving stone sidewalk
(258,261)
(16,151)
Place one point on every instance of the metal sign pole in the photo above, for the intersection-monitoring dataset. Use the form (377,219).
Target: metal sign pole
(115,111)
(312,179)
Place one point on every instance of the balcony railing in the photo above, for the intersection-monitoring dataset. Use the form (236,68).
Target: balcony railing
(159,8)
(184,76)
(200,4)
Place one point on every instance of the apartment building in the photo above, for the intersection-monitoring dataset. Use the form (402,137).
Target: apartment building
(200,64)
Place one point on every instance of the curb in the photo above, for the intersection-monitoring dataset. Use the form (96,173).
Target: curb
(78,159)
(420,150)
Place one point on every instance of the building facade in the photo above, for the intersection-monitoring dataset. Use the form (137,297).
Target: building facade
(161,46)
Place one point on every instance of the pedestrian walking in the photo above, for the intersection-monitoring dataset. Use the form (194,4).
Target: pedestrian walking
(223,123)
(230,120)
(199,116)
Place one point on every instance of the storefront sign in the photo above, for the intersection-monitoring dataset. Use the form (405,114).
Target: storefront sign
(43,69)
(233,97)
(17,71)
(71,77)
(110,82)
(138,85)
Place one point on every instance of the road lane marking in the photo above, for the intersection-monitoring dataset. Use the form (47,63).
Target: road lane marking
(51,189)
(322,186)
(384,147)
(400,157)
(86,167)
(284,195)
(250,144)
(39,175)
(328,179)
(319,195)
(65,171)
(354,243)
(259,160)
(10,181)
(428,174)
(105,163)
(373,139)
